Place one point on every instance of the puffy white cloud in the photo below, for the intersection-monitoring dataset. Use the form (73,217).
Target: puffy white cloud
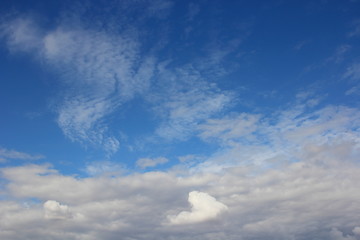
(55,210)
(203,207)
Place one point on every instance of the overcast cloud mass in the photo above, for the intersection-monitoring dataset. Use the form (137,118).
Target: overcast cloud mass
(179,120)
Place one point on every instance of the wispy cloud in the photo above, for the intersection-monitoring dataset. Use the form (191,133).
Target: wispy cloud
(356,29)
(188,101)
(353,72)
(6,154)
(104,168)
(99,70)
(340,53)
(294,134)
(150,162)
(22,35)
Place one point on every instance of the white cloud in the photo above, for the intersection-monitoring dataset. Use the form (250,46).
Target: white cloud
(353,91)
(184,111)
(55,210)
(99,70)
(203,207)
(278,203)
(106,168)
(324,135)
(229,128)
(150,162)
(6,154)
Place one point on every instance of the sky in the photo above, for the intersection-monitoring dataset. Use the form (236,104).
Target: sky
(177,120)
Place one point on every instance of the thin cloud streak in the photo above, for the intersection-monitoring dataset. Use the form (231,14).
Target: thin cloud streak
(6,154)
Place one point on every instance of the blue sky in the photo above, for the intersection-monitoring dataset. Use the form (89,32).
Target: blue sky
(199,113)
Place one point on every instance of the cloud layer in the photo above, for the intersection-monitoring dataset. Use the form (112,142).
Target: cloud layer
(301,201)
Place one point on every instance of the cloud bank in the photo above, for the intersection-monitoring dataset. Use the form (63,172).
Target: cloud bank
(301,201)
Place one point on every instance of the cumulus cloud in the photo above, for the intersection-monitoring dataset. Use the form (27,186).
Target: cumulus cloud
(55,210)
(150,162)
(203,207)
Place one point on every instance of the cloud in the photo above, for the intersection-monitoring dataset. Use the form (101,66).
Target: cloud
(150,162)
(296,134)
(6,154)
(353,72)
(356,231)
(356,31)
(102,65)
(339,54)
(55,210)
(102,69)
(106,168)
(353,91)
(302,200)
(99,71)
(22,35)
(185,110)
(335,234)
(203,207)
(229,128)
